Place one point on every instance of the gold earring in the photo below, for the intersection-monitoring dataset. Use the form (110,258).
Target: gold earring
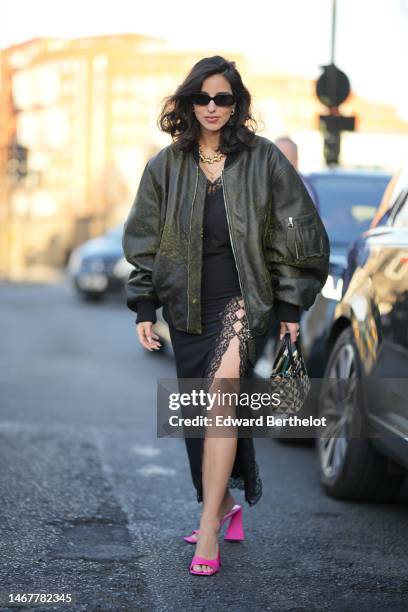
(230,120)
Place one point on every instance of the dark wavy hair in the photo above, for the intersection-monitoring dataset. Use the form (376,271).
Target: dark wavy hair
(178,119)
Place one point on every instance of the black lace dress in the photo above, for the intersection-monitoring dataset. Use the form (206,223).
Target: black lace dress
(223,317)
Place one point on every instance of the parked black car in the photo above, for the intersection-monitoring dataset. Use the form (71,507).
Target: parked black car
(98,266)
(348,201)
(368,347)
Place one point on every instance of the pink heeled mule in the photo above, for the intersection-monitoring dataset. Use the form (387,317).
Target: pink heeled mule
(215,564)
(235,530)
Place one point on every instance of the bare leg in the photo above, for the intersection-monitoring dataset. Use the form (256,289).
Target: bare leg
(227,504)
(219,452)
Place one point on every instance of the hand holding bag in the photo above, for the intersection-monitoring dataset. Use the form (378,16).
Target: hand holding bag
(289,377)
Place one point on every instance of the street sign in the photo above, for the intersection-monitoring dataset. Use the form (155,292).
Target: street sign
(332,89)
(333,86)
(337,123)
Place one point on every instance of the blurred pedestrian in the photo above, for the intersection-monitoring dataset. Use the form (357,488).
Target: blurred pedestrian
(290,149)
(202,238)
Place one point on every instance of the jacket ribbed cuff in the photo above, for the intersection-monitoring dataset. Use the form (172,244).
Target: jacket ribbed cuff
(285,311)
(146,311)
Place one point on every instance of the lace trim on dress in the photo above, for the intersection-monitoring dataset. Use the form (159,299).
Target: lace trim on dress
(234,323)
(245,473)
(212,187)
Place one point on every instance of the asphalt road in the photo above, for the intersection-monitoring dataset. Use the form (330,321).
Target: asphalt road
(94,504)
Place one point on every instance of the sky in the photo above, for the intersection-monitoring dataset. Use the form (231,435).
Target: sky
(284,35)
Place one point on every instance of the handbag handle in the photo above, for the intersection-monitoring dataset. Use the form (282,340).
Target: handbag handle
(289,344)
(285,357)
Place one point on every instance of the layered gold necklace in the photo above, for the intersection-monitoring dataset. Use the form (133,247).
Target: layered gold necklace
(210,159)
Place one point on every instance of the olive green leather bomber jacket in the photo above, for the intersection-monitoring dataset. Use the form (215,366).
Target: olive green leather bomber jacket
(279,242)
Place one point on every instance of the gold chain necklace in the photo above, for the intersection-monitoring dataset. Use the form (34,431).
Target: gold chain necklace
(208,159)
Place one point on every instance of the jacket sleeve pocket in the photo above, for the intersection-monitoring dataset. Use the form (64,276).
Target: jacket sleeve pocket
(304,237)
(311,237)
(140,241)
(297,247)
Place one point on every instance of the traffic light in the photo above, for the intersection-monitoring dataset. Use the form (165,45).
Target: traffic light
(332,89)
(332,148)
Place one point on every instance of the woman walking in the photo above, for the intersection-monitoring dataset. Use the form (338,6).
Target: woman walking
(223,235)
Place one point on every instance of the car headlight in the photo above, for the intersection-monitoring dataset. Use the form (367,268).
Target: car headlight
(333,288)
(122,268)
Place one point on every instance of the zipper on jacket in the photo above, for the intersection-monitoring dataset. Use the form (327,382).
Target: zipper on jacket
(189,242)
(233,250)
(291,226)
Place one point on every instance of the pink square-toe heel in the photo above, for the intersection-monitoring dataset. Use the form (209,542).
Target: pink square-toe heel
(215,564)
(235,530)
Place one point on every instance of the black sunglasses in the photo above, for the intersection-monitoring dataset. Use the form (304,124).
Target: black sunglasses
(202,99)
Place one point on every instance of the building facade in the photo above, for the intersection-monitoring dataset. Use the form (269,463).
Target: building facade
(79,121)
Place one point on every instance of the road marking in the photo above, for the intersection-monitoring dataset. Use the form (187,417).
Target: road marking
(156,470)
(146,451)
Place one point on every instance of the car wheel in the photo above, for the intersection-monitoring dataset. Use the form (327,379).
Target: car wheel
(91,296)
(350,467)
(280,439)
